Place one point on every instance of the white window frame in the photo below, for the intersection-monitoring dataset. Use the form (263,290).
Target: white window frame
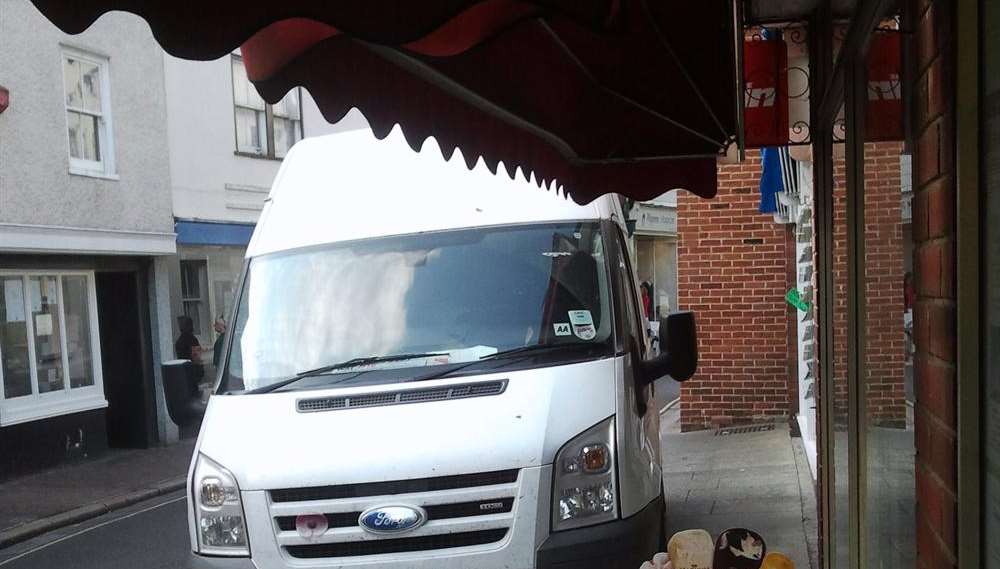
(267,149)
(68,400)
(105,167)
(205,299)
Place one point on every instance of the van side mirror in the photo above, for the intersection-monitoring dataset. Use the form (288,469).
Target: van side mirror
(678,349)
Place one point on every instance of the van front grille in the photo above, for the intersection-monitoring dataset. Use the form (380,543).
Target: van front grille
(462,511)
(401,397)
(345,520)
(403,545)
(435,484)
(436,512)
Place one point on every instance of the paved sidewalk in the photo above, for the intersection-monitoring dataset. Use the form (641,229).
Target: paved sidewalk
(69,494)
(756,480)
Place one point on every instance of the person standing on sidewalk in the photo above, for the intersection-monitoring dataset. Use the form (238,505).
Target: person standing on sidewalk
(187,347)
(220,330)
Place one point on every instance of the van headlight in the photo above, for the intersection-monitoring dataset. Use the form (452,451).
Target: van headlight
(221,525)
(584,490)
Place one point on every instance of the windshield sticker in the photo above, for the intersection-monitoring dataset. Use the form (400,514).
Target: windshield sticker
(562,329)
(471,354)
(438,360)
(583,324)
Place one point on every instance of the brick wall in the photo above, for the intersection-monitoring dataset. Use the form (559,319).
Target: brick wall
(731,267)
(839,268)
(885,350)
(733,271)
(885,353)
(934,270)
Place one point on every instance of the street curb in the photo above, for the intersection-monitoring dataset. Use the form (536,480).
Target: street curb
(35,528)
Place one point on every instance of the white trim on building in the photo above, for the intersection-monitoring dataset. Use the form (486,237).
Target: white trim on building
(22,238)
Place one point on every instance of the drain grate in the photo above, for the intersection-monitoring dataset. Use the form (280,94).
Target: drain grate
(743,430)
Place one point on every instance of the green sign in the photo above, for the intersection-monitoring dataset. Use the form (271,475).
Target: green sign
(795,300)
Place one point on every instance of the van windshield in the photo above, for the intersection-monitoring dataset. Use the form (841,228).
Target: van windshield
(432,299)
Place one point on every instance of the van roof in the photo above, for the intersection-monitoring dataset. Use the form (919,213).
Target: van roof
(350,185)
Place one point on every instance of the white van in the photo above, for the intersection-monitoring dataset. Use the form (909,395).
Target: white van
(431,367)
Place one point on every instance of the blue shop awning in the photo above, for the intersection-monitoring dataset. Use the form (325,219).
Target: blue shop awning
(213,233)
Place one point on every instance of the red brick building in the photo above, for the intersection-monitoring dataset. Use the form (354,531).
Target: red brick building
(732,273)
(735,266)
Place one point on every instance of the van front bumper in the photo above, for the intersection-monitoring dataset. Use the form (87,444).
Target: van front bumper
(196,561)
(528,545)
(623,544)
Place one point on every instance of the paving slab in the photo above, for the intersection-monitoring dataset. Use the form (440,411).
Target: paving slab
(40,502)
(758,480)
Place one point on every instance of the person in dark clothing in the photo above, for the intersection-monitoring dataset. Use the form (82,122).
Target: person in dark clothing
(187,347)
(220,331)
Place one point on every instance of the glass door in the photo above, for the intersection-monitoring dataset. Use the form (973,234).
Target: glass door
(990,133)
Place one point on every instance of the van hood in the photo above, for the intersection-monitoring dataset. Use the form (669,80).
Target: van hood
(267,443)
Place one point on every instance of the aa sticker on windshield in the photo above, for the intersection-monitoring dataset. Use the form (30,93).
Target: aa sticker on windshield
(562,329)
(583,324)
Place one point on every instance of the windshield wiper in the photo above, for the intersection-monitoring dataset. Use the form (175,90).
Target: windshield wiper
(499,355)
(353,362)
(536,348)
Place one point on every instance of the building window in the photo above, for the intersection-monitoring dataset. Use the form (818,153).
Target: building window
(264,130)
(194,296)
(49,345)
(88,113)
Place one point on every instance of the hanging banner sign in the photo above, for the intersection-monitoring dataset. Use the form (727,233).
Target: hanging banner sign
(765,93)
(884,114)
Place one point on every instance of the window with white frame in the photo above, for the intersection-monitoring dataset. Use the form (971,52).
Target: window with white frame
(194,296)
(262,129)
(88,113)
(49,346)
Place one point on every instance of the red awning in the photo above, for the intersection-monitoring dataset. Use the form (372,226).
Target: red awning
(628,96)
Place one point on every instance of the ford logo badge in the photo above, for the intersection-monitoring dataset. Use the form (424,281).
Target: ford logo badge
(392,519)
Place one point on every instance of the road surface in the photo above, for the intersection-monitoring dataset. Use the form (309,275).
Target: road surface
(151,535)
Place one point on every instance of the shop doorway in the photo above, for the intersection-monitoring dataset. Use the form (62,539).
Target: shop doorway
(656,265)
(124,355)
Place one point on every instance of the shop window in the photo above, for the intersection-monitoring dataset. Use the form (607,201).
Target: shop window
(888,385)
(88,113)
(194,296)
(79,349)
(49,346)
(263,130)
(656,263)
